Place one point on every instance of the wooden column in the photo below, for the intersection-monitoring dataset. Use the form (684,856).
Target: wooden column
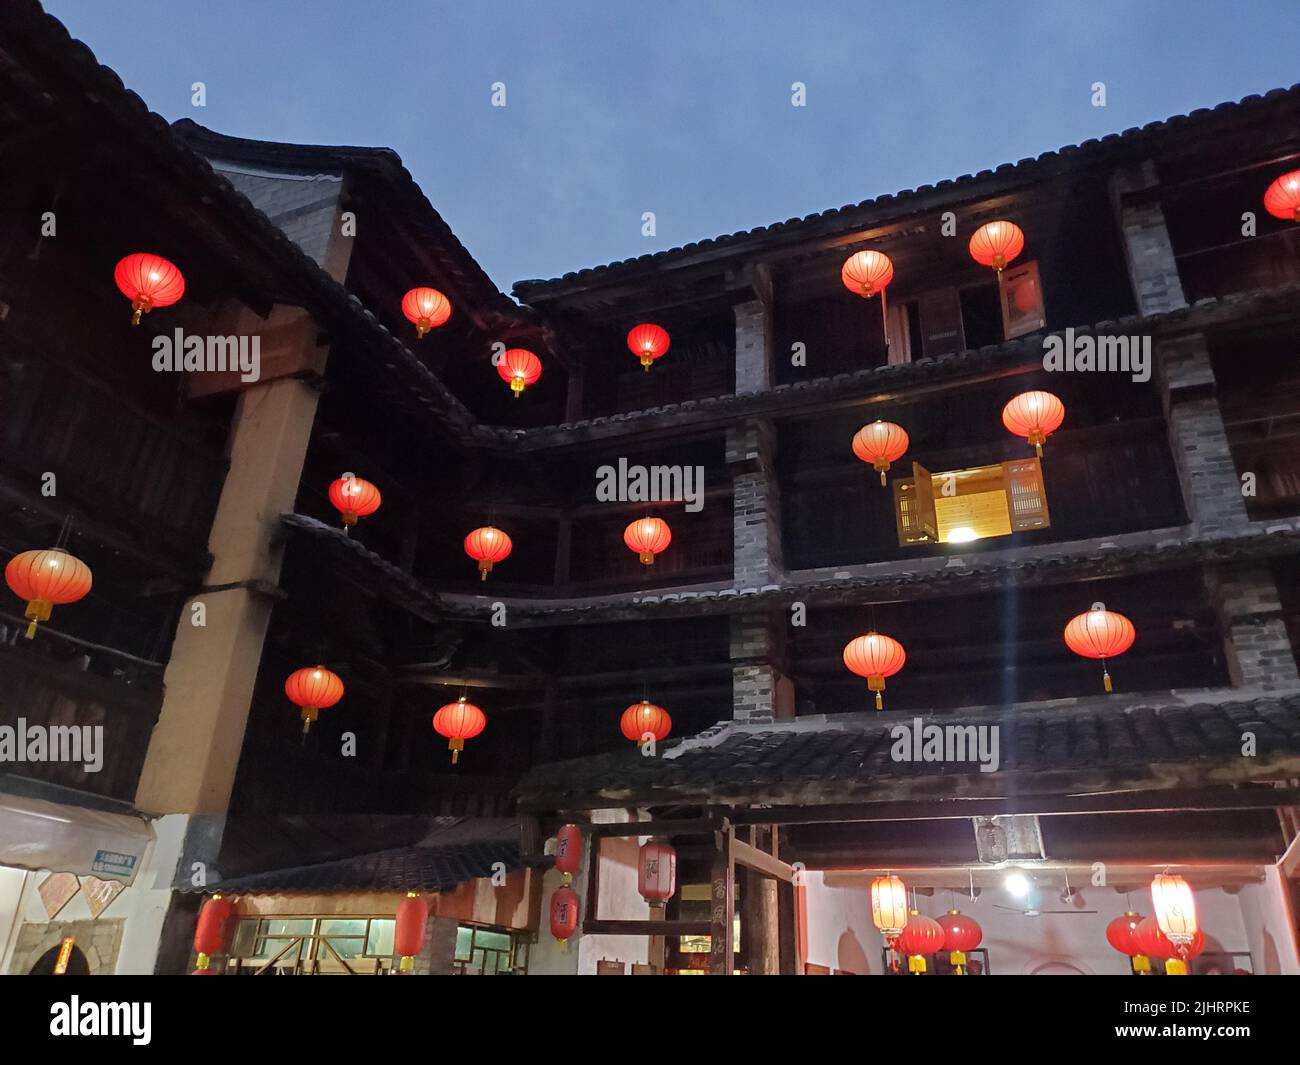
(759,919)
(722,905)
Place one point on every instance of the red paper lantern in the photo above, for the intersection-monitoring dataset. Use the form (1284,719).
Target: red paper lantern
(960,934)
(520,368)
(889,906)
(568,851)
(644,718)
(313,689)
(657,872)
(210,933)
(1100,633)
(1121,934)
(426,308)
(408,933)
(1035,416)
(996,243)
(648,537)
(46,579)
(148,281)
(875,657)
(921,936)
(880,443)
(564,914)
(1175,912)
(648,342)
(1282,200)
(459,721)
(487,546)
(354,498)
(867,272)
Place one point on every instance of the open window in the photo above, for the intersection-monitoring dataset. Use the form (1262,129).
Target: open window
(1022,300)
(961,506)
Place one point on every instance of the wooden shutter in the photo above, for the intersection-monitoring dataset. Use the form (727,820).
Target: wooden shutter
(1026,496)
(914,508)
(1022,300)
(941,328)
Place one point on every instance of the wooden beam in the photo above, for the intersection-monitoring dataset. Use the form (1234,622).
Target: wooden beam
(646,928)
(668,829)
(722,904)
(760,862)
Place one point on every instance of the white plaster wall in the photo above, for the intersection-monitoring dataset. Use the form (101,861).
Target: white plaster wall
(1268,926)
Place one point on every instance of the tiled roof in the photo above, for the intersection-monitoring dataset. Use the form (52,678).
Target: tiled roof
(1088,746)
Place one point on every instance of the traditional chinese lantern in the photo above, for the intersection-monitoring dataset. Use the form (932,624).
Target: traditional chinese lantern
(867,272)
(1121,934)
(889,907)
(568,851)
(148,281)
(210,932)
(46,579)
(520,368)
(657,872)
(1035,416)
(408,931)
(1282,200)
(875,657)
(1175,912)
(354,498)
(425,308)
(1150,941)
(1100,633)
(996,243)
(648,342)
(564,914)
(648,537)
(961,933)
(313,689)
(487,546)
(459,721)
(645,717)
(880,443)
(920,937)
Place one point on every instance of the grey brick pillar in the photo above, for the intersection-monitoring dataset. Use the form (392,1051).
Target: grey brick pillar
(753,346)
(760,690)
(439,954)
(1135,197)
(1255,639)
(756,505)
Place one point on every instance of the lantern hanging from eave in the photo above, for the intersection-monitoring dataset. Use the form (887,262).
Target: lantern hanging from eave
(148,281)
(889,907)
(459,721)
(1121,934)
(1035,416)
(520,368)
(408,930)
(1282,200)
(568,851)
(921,937)
(564,914)
(645,719)
(426,308)
(354,498)
(210,933)
(995,244)
(875,657)
(648,342)
(648,537)
(880,443)
(1175,913)
(1100,633)
(1154,944)
(657,872)
(867,272)
(46,579)
(488,546)
(313,689)
(961,933)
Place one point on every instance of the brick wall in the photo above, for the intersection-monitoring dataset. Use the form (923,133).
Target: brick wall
(756,505)
(1150,254)
(753,347)
(1256,642)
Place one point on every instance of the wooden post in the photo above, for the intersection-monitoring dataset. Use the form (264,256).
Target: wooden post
(760,939)
(722,905)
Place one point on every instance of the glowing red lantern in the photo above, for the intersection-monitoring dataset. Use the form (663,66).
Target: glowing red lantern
(313,689)
(564,914)
(648,342)
(880,443)
(148,281)
(1121,934)
(1035,416)
(875,657)
(46,579)
(354,498)
(568,851)
(459,721)
(996,243)
(645,718)
(960,934)
(408,932)
(1282,200)
(520,368)
(1100,633)
(426,308)
(648,537)
(1175,913)
(487,546)
(210,933)
(867,272)
(889,906)
(1149,940)
(921,936)
(657,872)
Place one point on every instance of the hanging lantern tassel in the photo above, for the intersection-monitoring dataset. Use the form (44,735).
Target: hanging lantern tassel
(1105,677)
(38,610)
(1177,966)
(877,685)
(1038,440)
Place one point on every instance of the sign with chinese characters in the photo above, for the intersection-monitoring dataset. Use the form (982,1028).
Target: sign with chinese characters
(100,893)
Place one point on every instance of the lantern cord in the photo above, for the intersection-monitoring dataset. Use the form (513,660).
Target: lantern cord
(65,530)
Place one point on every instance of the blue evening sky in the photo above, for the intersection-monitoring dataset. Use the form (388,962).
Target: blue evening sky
(680,108)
